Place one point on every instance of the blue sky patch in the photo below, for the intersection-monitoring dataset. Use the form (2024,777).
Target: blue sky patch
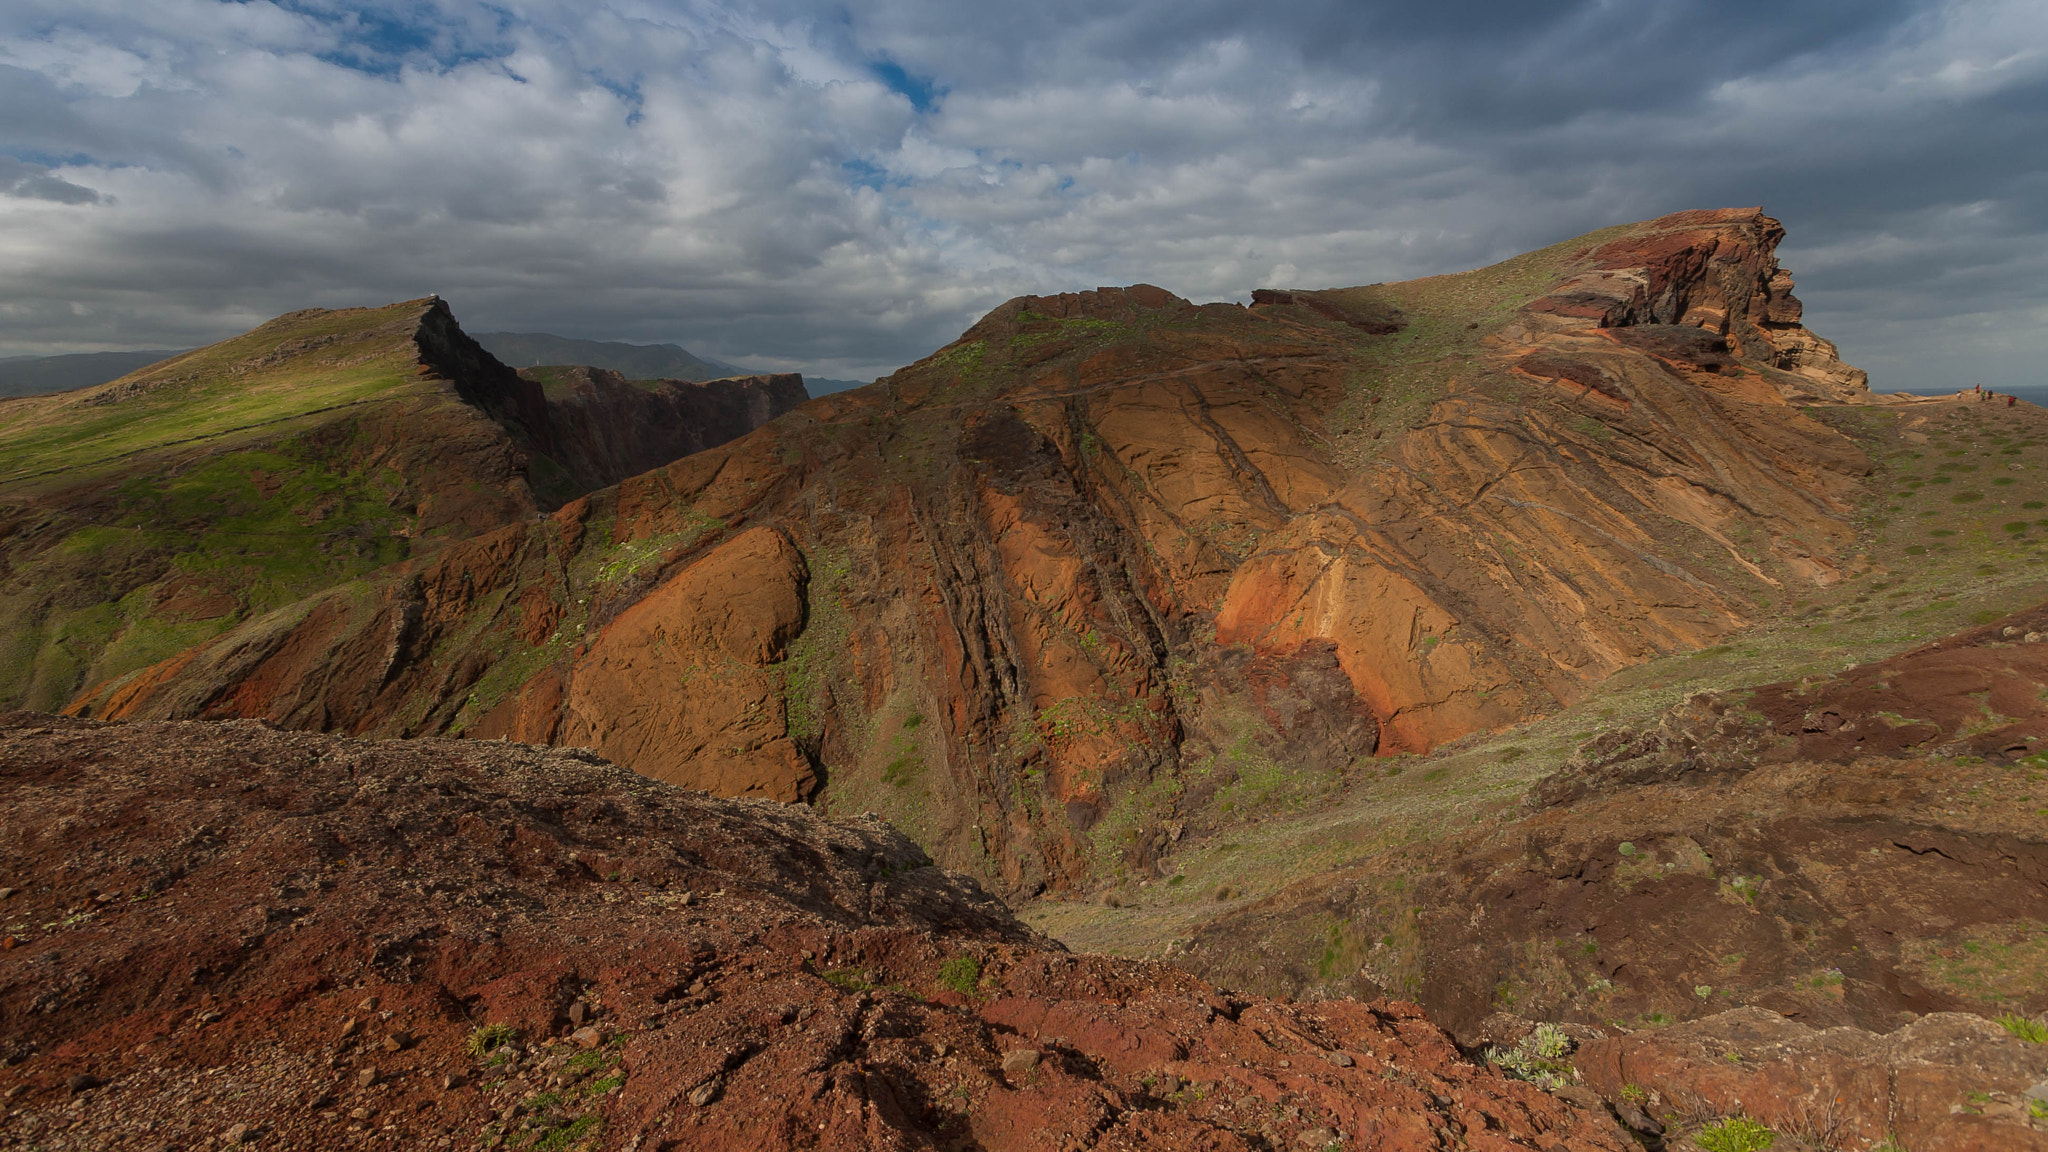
(922,92)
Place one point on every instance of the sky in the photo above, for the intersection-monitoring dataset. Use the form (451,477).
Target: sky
(840,189)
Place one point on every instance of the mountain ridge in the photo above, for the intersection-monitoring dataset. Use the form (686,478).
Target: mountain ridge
(1113,565)
(145,514)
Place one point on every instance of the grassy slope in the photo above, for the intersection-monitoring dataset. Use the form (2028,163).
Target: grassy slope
(238,390)
(193,473)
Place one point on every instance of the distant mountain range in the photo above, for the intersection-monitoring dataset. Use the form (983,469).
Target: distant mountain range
(38,375)
(633,361)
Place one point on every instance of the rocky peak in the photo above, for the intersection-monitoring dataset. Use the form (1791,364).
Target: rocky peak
(1716,270)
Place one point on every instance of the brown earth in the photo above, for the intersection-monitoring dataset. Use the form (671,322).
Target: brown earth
(1856,849)
(109,563)
(225,935)
(1067,580)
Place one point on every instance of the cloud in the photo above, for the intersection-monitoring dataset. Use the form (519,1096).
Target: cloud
(27,181)
(800,185)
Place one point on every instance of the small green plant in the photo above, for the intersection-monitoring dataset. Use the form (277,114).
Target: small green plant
(1539,1058)
(588,1061)
(2032,1031)
(1703,990)
(569,1134)
(960,974)
(1626,849)
(902,770)
(490,1038)
(1735,1134)
(1635,1094)
(849,979)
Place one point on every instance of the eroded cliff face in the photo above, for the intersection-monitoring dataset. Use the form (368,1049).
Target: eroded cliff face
(598,428)
(1113,563)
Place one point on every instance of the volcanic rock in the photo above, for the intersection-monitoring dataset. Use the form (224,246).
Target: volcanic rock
(1049,594)
(1947,1082)
(1839,849)
(477,889)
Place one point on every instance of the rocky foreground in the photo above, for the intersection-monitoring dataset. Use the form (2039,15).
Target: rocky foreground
(224,934)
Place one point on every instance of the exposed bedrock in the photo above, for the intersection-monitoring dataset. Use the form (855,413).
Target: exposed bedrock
(233,935)
(1066,580)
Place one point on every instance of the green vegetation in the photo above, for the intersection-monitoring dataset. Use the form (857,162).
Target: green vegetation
(961,974)
(489,1038)
(1539,1058)
(213,488)
(571,1133)
(1735,1134)
(292,368)
(2032,1031)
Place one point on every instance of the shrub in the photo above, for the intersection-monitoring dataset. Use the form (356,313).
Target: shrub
(1539,1058)
(490,1038)
(1735,1134)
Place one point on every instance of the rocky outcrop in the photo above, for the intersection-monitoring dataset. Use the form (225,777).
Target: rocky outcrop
(223,934)
(1693,274)
(679,684)
(1947,1082)
(1071,576)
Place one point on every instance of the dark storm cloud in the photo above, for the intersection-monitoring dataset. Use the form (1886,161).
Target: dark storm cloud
(843,189)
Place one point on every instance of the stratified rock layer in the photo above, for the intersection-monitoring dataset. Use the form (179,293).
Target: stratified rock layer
(1112,557)
(222,933)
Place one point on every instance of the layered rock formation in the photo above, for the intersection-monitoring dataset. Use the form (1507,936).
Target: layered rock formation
(220,935)
(1061,591)
(147,514)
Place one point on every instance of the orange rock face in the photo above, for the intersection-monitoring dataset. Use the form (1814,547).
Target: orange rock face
(679,684)
(1112,561)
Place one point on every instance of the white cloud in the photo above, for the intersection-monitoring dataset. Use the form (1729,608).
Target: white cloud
(760,183)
